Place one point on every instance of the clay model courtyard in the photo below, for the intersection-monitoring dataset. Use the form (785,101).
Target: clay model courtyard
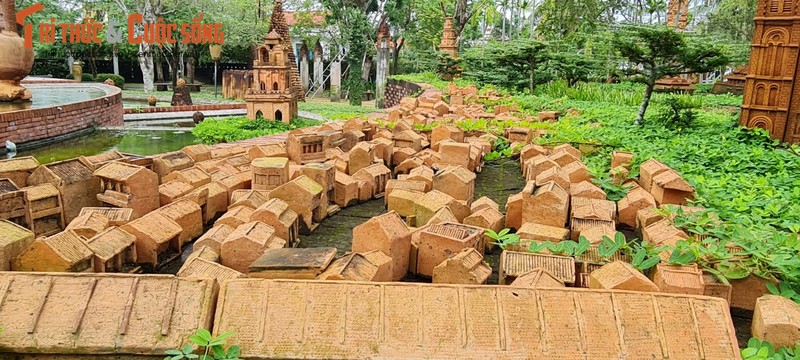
(451,180)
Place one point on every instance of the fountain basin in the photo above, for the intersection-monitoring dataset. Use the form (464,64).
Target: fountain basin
(59,109)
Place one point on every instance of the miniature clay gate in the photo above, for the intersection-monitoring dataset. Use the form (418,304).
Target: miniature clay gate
(336,320)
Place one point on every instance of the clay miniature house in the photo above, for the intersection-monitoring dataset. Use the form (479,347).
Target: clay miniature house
(370,266)
(18,169)
(128,186)
(389,234)
(63,252)
(769,100)
(112,248)
(305,148)
(271,95)
(457,182)
(304,197)
(276,213)
(155,234)
(74,180)
(45,209)
(116,216)
(465,267)
(13,204)
(14,239)
(269,173)
(440,241)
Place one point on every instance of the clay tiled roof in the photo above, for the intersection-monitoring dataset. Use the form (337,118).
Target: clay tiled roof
(670,179)
(68,246)
(11,232)
(70,171)
(516,263)
(461,172)
(199,268)
(17,164)
(6,185)
(341,320)
(118,171)
(308,184)
(103,158)
(113,214)
(86,315)
(110,242)
(39,192)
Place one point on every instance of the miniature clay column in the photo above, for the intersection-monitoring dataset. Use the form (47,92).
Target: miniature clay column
(381,74)
(336,80)
(318,82)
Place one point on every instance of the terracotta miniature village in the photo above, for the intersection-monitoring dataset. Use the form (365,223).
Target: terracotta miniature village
(75,231)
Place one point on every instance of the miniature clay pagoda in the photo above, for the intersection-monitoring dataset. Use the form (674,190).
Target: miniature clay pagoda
(271,95)
(278,24)
(678,11)
(448,43)
(769,100)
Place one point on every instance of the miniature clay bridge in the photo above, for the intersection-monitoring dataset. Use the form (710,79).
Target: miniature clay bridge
(90,316)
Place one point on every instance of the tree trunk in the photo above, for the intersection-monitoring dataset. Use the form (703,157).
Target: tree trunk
(190,70)
(532,68)
(159,64)
(648,92)
(145,55)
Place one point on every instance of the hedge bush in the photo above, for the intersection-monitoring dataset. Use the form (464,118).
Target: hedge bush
(119,81)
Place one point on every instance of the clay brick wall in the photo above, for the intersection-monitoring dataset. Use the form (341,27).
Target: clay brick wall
(397,89)
(202,107)
(37,124)
(235,83)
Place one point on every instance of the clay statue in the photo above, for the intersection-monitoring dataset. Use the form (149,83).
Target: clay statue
(181,96)
(15,60)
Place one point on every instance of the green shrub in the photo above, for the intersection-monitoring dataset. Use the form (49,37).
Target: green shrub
(85,77)
(212,131)
(119,81)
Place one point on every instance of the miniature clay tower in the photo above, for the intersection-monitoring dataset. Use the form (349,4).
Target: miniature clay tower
(769,101)
(15,60)
(271,95)
(448,43)
(180,95)
(278,25)
(678,10)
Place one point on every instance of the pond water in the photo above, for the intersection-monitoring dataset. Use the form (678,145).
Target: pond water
(53,95)
(140,142)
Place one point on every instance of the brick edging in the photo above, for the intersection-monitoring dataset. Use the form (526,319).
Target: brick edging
(200,107)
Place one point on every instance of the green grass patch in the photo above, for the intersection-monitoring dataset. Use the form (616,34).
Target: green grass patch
(336,111)
(213,131)
(202,95)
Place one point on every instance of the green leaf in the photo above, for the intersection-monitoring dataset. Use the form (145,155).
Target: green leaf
(653,261)
(205,334)
(173,352)
(234,351)
(188,349)
(198,340)
(749,352)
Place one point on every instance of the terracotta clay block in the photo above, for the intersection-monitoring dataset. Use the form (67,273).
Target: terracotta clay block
(519,134)
(115,216)
(563,157)
(578,172)
(383,150)
(188,216)
(776,320)
(276,213)
(402,201)
(442,216)
(246,244)
(213,238)
(636,199)
(536,166)
(424,174)
(378,175)
(714,287)
(155,234)
(663,233)
(401,154)
(165,164)
(465,267)
(678,279)
(128,186)
(432,201)
(533,231)
(249,198)
(407,139)
(619,175)
(621,158)
(537,278)
(455,181)
(18,169)
(620,275)
(443,132)
(212,198)
(554,174)
(193,176)
(345,190)
(361,156)
(513,264)
(670,188)
(301,263)
(238,181)
(514,211)
(74,180)
(408,165)
(197,152)
(268,150)
(588,190)
(745,292)
(370,266)
(547,205)
(592,209)
(440,241)
(172,190)
(453,153)
(389,234)
(62,252)
(530,151)
(489,219)
(269,172)
(199,268)
(646,217)
(14,239)
(149,314)
(404,184)
(483,202)
(235,217)
(648,171)
(87,226)
(304,197)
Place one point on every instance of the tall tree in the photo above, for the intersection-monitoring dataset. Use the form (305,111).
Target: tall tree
(655,52)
